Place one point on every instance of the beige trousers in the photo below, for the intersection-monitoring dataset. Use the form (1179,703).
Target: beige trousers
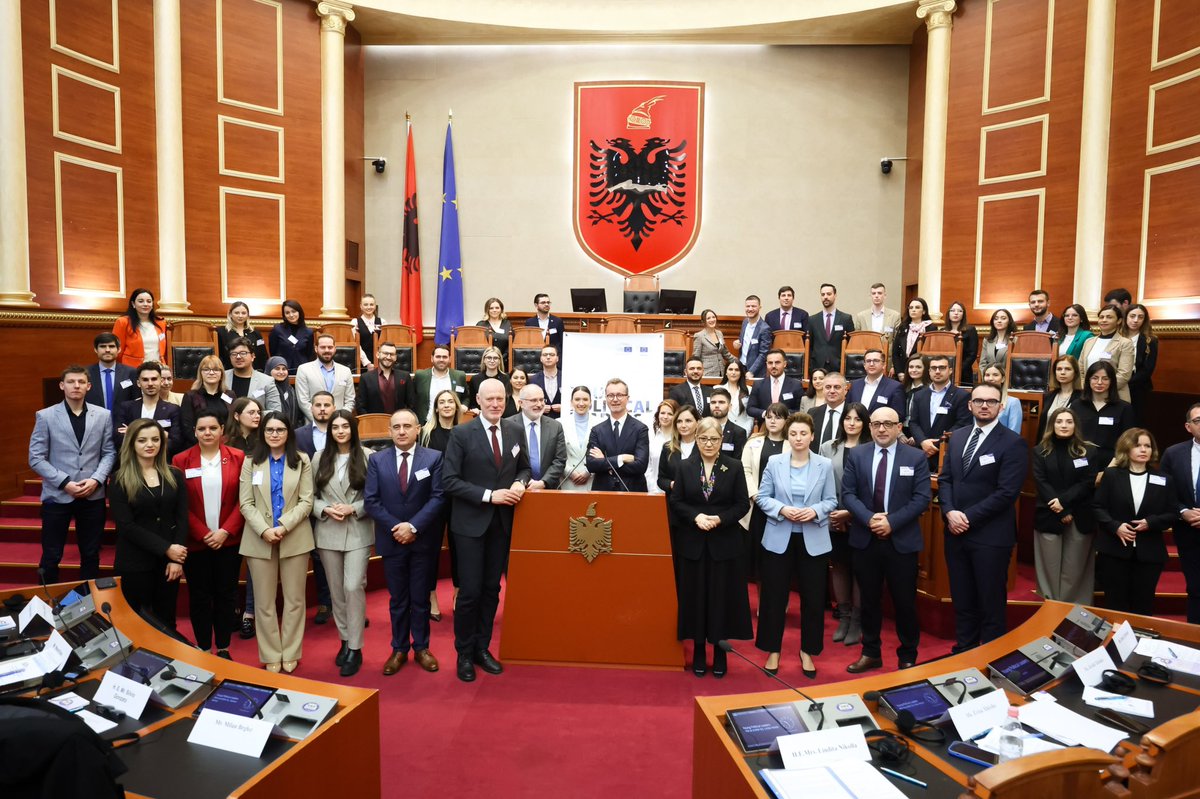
(1066,565)
(346,573)
(278,642)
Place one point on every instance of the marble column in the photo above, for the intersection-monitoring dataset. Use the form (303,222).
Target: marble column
(334,17)
(1093,153)
(168,120)
(14,199)
(938,16)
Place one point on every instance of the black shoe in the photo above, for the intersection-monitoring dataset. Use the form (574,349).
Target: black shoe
(466,669)
(247,631)
(352,662)
(323,614)
(366,623)
(488,663)
(720,663)
(906,664)
(340,660)
(224,653)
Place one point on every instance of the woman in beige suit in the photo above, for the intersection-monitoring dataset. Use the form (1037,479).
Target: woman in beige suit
(1109,345)
(344,533)
(277,498)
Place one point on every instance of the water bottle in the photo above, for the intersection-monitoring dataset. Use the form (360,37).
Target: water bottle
(1012,737)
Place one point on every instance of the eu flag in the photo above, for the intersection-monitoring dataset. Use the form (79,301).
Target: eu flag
(450,294)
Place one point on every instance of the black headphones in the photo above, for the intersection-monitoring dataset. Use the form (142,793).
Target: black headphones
(1117,682)
(1155,673)
(907,723)
(890,747)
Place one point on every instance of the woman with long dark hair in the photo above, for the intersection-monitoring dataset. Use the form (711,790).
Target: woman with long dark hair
(814,395)
(1110,346)
(760,448)
(1064,472)
(847,607)
(739,395)
(908,333)
(292,339)
(1076,330)
(150,509)
(141,333)
(956,322)
(999,337)
(447,413)
(915,377)
(1102,415)
(1064,389)
(1145,357)
(211,471)
(237,325)
(277,500)
(344,533)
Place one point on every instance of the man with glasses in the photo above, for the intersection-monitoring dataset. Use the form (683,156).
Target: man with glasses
(544,440)
(938,408)
(245,381)
(619,447)
(886,489)
(383,389)
(324,373)
(776,387)
(1182,462)
(875,390)
(551,325)
(978,489)
(550,381)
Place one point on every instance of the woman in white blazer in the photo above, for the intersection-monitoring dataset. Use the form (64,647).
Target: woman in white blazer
(1109,345)
(577,426)
(344,533)
(276,496)
(797,494)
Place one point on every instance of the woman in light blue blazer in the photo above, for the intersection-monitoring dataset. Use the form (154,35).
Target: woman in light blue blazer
(797,494)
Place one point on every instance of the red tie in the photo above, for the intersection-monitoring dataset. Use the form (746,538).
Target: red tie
(828,325)
(403,472)
(495,447)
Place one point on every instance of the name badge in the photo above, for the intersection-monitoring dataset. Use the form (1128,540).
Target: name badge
(906,471)
(727,446)
(256,478)
(987,460)
(881,399)
(1080,463)
(259,343)
(420,474)
(162,336)
(552,331)
(126,383)
(796,325)
(164,422)
(516,449)
(258,393)
(943,410)
(293,339)
(286,394)
(228,399)
(786,396)
(1158,480)
(1107,421)
(190,473)
(837,328)
(459,389)
(753,341)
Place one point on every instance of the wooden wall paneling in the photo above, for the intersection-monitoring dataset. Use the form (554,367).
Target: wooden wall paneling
(1008,255)
(85,110)
(1175,35)
(1174,115)
(250,50)
(359,171)
(253,246)
(1170,219)
(1018,42)
(910,255)
(89,218)
(1013,150)
(86,30)
(248,149)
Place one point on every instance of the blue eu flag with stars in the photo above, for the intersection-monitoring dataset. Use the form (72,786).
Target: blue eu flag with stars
(449,280)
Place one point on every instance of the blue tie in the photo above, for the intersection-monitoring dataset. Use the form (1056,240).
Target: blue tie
(535,456)
(108,389)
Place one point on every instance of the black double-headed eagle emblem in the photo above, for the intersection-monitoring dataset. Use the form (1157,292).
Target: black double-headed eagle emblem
(641,187)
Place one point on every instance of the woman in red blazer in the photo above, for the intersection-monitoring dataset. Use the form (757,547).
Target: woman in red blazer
(211,471)
(142,333)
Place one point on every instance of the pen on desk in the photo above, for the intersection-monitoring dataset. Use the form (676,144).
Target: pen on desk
(1172,651)
(905,777)
(983,734)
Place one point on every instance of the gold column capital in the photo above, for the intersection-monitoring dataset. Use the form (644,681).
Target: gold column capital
(936,13)
(334,15)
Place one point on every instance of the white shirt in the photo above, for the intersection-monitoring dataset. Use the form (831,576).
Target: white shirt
(1065,343)
(400,458)
(869,389)
(877,321)
(551,382)
(984,432)
(1137,485)
(436,386)
(148,410)
(210,486)
(1195,467)
(150,341)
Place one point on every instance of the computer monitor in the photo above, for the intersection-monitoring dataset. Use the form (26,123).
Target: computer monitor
(677,301)
(588,301)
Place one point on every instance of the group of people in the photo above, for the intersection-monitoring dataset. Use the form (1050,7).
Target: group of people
(262,460)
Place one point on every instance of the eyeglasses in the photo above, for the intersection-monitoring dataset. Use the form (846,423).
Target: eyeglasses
(239,354)
(615,396)
(872,360)
(989,403)
(933,368)
(1194,421)
(884,425)
(708,439)
(275,431)
(211,371)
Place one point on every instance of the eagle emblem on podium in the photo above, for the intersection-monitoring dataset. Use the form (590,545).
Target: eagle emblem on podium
(591,536)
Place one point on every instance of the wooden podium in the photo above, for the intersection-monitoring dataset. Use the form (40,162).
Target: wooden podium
(617,610)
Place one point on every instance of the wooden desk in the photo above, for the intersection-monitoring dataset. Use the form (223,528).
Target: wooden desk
(720,770)
(340,758)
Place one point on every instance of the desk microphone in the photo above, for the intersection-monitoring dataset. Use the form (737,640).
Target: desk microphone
(106,609)
(55,608)
(814,706)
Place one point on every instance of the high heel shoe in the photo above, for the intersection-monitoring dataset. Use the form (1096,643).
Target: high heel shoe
(720,663)
(290,665)
(809,673)
(772,669)
(271,667)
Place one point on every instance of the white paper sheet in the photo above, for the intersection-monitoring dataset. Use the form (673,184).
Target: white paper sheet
(1118,702)
(1069,727)
(849,779)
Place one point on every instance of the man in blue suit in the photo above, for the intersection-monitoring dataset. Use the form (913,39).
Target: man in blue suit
(755,339)
(149,380)
(1182,462)
(787,316)
(404,497)
(938,408)
(776,387)
(875,390)
(111,382)
(978,488)
(886,488)
(72,450)
(619,448)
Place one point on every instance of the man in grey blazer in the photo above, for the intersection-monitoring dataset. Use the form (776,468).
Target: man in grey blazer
(244,381)
(544,439)
(71,449)
(324,374)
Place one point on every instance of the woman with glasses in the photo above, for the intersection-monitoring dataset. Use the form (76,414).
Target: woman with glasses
(1102,415)
(491,365)
(208,395)
(1064,472)
(237,325)
(277,500)
(847,607)
(797,495)
(1135,504)
(708,499)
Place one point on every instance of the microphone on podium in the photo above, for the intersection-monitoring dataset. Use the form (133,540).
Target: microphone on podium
(813,707)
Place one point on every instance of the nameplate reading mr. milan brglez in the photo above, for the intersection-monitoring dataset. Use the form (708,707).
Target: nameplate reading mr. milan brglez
(590,535)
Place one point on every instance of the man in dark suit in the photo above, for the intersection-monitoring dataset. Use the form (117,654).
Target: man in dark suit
(383,389)
(619,447)
(1182,463)
(427,383)
(71,449)
(549,379)
(111,382)
(775,387)
(978,489)
(311,438)
(1043,320)
(544,440)
(886,488)
(551,325)
(828,417)
(483,475)
(733,437)
(826,331)
(754,339)
(150,406)
(875,390)
(692,391)
(404,496)
(787,316)
(938,408)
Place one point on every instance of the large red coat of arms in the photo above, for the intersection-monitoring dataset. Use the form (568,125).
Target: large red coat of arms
(638,160)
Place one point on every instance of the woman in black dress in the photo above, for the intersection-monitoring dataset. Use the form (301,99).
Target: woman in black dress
(292,339)
(1103,417)
(708,499)
(847,608)
(1145,357)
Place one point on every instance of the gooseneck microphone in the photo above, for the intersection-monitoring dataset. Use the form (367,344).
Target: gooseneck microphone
(813,707)
(106,609)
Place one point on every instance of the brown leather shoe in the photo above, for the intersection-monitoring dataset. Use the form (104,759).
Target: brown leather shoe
(425,659)
(864,663)
(394,663)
